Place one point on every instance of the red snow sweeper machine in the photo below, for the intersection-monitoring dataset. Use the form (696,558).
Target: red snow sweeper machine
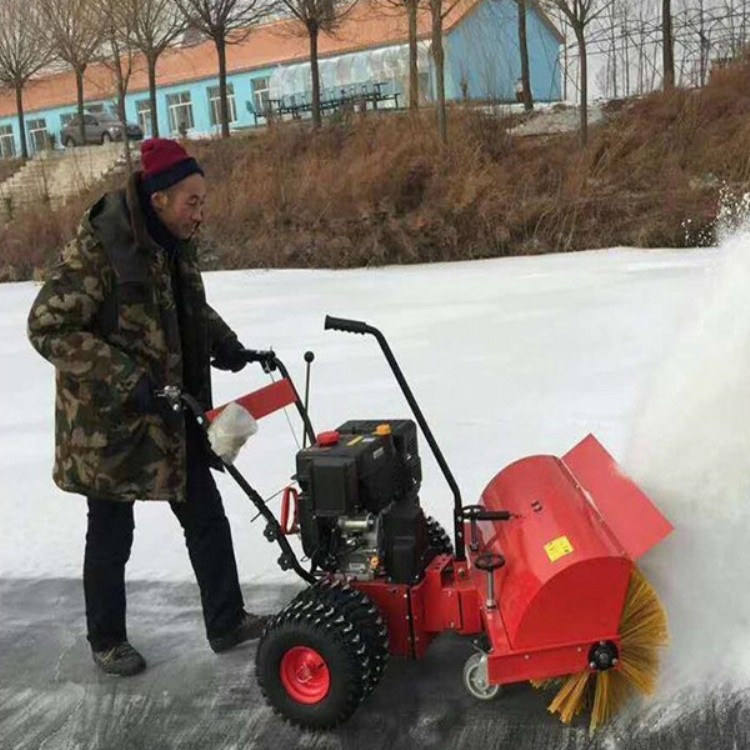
(540,573)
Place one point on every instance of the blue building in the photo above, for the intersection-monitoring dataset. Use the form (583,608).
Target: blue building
(482,63)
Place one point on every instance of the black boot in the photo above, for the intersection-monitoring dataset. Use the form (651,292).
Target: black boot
(248,628)
(121,660)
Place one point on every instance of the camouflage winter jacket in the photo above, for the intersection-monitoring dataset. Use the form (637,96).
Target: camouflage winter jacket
(106,316)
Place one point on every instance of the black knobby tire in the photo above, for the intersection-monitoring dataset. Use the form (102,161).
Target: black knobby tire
(364,616)
(437,537)
(310,622)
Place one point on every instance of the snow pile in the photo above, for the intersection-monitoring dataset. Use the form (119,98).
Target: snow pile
(691,453)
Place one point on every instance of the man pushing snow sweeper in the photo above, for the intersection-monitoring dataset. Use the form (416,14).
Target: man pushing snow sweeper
(540,573)
(122,315)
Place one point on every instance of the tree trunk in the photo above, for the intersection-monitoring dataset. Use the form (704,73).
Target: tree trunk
(221,50)
(613,40)
(312,29)
(151,61)
(583,66)
(528,102)
(79,94)
(121,94)
(411,9)
(705,44)
(565,64)
(438,55)
(626,61)
(21,124)
(667,44)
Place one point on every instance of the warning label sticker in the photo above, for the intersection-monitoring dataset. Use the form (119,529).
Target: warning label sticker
(558,548)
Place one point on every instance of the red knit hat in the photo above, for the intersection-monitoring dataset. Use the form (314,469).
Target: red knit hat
(165,163)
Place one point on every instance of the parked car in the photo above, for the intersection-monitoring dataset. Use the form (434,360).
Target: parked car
(101,127)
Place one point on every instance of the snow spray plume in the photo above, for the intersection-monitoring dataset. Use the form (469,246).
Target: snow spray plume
(691,453)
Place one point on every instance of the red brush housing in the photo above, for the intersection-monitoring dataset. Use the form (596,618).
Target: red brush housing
(578,524)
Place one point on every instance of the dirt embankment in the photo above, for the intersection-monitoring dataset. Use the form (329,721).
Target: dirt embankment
(381,189)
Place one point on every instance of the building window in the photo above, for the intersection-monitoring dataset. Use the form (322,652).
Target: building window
(7,142)
(425,92)
(143,112)
(66,118)
(214,104)
(260,94)
(38,135)
(180,112)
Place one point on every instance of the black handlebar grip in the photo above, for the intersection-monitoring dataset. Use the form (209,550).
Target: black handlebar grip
(481,513)
(257,355)
(496,515)
(346,325)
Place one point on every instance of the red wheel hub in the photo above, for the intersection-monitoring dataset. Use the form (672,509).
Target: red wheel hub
(304,675)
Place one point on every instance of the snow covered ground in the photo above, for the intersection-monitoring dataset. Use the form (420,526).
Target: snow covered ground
(649,350)
(507,357)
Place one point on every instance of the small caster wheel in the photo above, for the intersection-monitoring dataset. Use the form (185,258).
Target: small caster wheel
(475,678)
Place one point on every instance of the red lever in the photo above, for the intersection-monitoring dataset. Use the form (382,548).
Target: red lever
(263,402)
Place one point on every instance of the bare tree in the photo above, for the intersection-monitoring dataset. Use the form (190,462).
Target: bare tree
(412,8)
(75,30)
(314,16)
(523,48)
(23,52)
(119,56)
(610,20)
(153,26)
(579,14)
(224,22)
(624,22)
(667,44)
(439,9)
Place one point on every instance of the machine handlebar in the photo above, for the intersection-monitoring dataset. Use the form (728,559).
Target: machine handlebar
(346,325)
(267,358)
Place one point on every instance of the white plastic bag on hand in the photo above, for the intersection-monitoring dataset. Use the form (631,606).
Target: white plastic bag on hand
(230,431)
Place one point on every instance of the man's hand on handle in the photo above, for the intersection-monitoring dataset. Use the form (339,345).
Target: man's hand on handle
(233,356)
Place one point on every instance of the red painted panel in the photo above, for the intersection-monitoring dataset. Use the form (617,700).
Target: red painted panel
(264,401)
(437,599)
(506,664)
(565,577)
(628,512)
(393,602)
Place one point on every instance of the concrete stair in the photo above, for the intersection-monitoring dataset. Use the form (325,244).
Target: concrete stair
(51,177)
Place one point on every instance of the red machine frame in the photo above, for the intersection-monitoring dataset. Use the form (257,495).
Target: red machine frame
(556,595)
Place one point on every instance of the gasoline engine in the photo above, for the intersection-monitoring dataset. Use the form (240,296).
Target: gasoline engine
(358,510)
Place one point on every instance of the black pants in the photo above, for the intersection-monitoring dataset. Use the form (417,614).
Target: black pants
(209,543)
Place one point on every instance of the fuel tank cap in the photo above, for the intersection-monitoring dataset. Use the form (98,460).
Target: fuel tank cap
(328,439)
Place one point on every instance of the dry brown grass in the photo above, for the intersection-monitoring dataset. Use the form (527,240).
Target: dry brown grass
(32,240)
(8,167)
(381,189)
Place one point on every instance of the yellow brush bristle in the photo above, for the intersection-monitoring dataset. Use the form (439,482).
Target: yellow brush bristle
(643,632)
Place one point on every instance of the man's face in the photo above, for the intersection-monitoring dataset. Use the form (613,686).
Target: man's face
(180,208)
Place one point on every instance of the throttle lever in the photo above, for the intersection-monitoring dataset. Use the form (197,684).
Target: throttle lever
(474,513)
